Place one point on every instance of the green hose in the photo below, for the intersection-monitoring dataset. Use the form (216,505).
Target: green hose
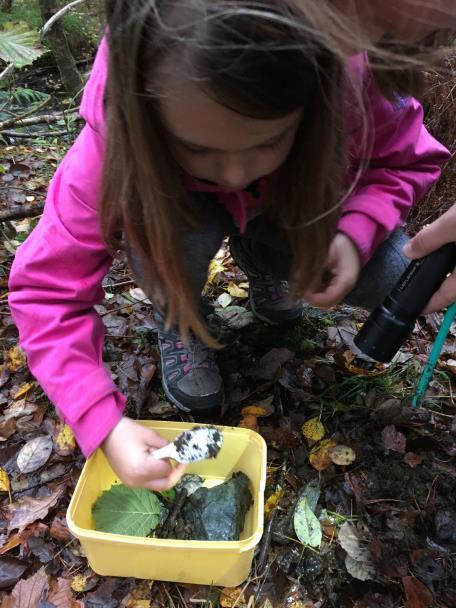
(434,355)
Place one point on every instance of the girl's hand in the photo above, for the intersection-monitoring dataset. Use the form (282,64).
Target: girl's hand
(440,232)
(342,267)
(128,449)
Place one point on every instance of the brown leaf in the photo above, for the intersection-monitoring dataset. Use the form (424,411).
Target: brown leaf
(393,439)
(4,375)
(417,594)
(268,366)
(64,440)
(412,459)
(61,595)
(27,510)
(34,454)
(19,408)
(11,570)
(319,457)
(28,593)
(7,428)
(59,529)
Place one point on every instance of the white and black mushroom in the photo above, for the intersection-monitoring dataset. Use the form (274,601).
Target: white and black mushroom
(196,444)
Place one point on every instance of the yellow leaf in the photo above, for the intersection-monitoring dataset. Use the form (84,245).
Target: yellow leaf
(319,457)
(215,268)
(231,596)
(272,502)
(138,604)
(16,359)
(236,291)
(249,422)
(5,482)
(256,410)
(79,583)
(23,390)
(342,455)
(313,429)
(65,439)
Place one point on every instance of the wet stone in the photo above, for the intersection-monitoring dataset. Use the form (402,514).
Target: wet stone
(311,566)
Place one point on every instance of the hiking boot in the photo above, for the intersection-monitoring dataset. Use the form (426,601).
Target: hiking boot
(190,374)
(269,297)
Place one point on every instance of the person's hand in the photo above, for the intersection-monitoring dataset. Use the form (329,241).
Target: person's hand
(429,239)
(342,267)
(129,448)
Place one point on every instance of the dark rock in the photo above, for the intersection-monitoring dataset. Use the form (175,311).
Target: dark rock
(445,525)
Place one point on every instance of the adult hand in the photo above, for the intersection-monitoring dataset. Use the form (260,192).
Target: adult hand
(342,267)
(129,448)
(429,239)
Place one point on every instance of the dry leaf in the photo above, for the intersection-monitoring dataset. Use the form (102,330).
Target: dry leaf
(138,294)
(215,268)
(59,529)
(19,408)
(23,390)
(236,291)
(358,559)
(257,410)
(4,375)
(65,442)
(249,422)
(7,428)
(61,595)
(412,459)
(319,457)
(393,439)
(313,429)
(342,455)
(16,359)
(5,485)
(417,594)
(231,596)
(79,583)
(358,367)
(27,510)
(272,502)
(224,300)
(28,593)
(34,454)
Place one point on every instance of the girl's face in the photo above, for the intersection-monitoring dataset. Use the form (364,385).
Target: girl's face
(211,142)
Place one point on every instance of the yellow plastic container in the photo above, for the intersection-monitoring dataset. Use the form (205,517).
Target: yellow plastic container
(224,563)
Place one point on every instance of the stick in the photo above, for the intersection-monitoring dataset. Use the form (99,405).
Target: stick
(171,519)
(9,68)
(434,355)
(19,135)
(11,121)
(47,26)
(36,120)
(19,212)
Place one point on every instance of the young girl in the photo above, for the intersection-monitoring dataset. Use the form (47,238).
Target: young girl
(207,119)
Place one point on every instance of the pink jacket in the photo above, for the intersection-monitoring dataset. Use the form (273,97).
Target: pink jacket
(56,278)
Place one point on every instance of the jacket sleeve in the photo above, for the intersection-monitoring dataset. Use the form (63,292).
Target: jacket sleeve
(404,163)
(54,283)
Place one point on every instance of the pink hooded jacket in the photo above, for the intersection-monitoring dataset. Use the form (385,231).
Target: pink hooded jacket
(56,278)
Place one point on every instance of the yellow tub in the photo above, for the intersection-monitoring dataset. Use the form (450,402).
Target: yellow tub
(224,563)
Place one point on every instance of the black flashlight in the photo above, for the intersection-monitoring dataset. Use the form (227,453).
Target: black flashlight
(390,324)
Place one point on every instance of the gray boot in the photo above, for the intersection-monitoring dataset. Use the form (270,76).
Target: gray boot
(269,296)
(190,374)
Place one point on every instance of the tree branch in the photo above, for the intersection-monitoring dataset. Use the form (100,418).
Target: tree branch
(11,121)
(9,68)
(34,120)
(19,212)
(47,26)
(19,135)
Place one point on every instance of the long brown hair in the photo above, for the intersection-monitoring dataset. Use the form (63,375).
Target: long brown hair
(254,57)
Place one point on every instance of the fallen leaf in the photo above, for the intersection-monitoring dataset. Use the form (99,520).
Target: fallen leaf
(23,390)
(272,502)
(27,510)
(306,524)
(257,410)
(16,359)
(79,583)
(224,300)
(59,529)
(412,459)
(5,485)
(7,428)
(235,317)
(269,365)
(138,294)
(28,593)
(61,595)
(393,439)
(359,367)
(358,559)
(319,456)
(249,422)
(11,570)
(34,454)
(19,408)
(236,291)
(4,375)
(232,596)
(342,455)
(215,268)
(65,442)
(313,429)
(360,570)
(417,594)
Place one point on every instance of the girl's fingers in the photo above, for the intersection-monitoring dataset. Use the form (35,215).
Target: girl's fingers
(445,296)
(166,483)
(432,237)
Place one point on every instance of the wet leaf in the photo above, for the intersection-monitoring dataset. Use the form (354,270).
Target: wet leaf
(61,595)
(19,408)
(342,455)
(230,597)
(235,317)
(272,502)
(358,367)
(16,359)
(236,291)
(23,390)
(319,456)
(306,524)
(313,429)
(393,439)
(65,441)
(362,571)
(7,428)
(59,529)
(34,454)
(28,593)
(124,510)
(27,510)
(11,570)
(412,459)
(358,560)
(417,594)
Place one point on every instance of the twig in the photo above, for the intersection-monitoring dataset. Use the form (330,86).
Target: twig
(171,519)
(119,284)
(11,121)
(9,68)
(47,26)
(37,120)
(19,212)
(33,135)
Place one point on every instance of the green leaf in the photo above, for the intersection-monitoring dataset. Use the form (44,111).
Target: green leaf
(123,510)
(306,525)
(19,45)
